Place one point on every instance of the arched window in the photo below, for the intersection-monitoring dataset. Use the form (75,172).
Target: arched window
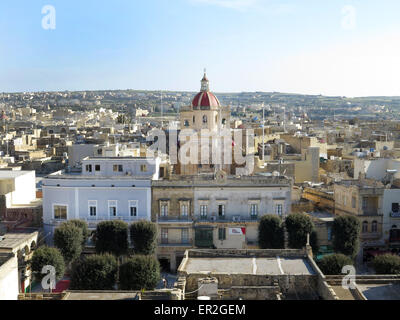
(224,121)
(204,119)
(365,227)
(374,226)
(186,123)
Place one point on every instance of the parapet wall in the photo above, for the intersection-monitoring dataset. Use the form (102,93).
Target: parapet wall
(250,253)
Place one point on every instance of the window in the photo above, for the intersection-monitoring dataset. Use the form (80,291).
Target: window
(344,200)
(254,210)
(143,168)
(112,208)
(365,203)
(118,168)
(374,227)
(92,208)
(224,121)
(365,227)
(353,202)
(60,212)
(203,210)
(97,167)
(164,235)
(184,210)
(133,208)
(221,233)
(221,210)
(279,209)
(205,119)
(186,123)
(185,236)
(194,119)
(164,210)
(329,233)
(88,168)
(395,208)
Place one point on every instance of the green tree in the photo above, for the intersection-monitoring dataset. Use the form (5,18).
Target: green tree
(96,272)
(345,235)
(68,239)
(144,237)
(298,225)
(112,237)
(46,256)
(83,226)
(139,272)
(271,232)
(387,264)
(334,263)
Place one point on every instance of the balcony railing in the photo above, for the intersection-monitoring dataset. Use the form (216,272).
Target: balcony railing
(395,214)
(178,243)
(235,218)
(175,219)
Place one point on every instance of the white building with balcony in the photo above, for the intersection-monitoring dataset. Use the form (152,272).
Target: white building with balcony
(107,189)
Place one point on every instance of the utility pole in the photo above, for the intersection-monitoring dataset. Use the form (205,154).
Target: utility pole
(162,114)
(263,129)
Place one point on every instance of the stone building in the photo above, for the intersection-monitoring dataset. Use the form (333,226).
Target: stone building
(214,211)
(364,199)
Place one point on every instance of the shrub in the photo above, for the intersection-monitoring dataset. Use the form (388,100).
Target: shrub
(334,263)
(144,237)
(45,256)
(271,232)
(298,225)
(96,272)
(139,272)
(68,239)
(345,235)
(83,226)
(387,264)
(112,237)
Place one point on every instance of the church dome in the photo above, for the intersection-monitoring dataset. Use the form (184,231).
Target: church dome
(205,98)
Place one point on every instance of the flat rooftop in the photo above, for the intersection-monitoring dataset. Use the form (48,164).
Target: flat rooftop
(101,295)
(380,291)
(10,174)
(13,240)
(256,266)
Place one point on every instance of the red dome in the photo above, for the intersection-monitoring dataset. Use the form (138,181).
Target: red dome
(205,99)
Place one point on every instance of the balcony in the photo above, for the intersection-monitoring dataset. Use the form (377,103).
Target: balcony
(395,215)
(174,219)
(175,243)
(226,219)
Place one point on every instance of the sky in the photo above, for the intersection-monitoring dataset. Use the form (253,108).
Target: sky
(341,48)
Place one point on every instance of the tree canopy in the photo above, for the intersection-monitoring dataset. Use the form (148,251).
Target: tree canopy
(95,272)
(68,239)
(334,263)
(387,264)
(139,272)
(144,237)
(46,256)
(271,232)
(112,237)
(345,235)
